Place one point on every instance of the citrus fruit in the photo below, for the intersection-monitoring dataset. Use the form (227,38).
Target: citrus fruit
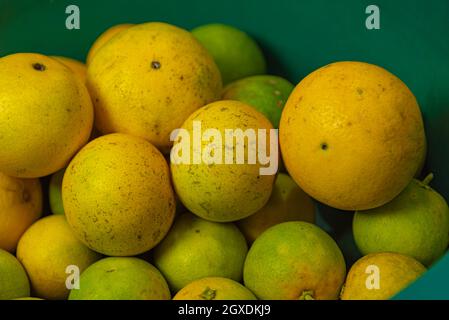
(287,203)
(216,189)
(117,195)
(47,114)
(294,260)
(20,206)
(54,192)
(415,223)
(214,288)
(160,72)
(77,67)
(379,276)
(195,248)
(235,52)
(46,249)
(13,278)
(105,37)
(121,278)
(267,94)
(352,135)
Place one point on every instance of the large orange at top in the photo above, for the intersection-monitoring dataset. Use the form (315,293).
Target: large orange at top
(352,135)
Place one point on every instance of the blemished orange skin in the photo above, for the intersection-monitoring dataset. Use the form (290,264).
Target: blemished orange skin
(148,79)
(223,192)
(129,179)
(352,135)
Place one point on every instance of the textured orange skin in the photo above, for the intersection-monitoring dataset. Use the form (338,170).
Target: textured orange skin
(352,135)
(117,195)
(148,79)
(223,192)
(48,115)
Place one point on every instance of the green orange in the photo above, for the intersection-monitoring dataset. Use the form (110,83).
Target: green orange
(237,55)
(196,248)
(267,94)
(294,260)
(416,223)
(121,278)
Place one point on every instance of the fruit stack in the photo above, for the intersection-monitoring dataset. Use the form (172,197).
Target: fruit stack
(119,179)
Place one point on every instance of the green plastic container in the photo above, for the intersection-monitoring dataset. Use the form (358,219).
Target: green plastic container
(297,37)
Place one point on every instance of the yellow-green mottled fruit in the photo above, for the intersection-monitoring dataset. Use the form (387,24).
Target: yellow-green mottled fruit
(379,276)
(13,278)
(117,195)
(235,52)
(221,192)
(121,279)
(214,288)
(46,115)
(147,79)
(55,192)
(415,223)
(294,260)
(267,94)
(46,249)
(195,248)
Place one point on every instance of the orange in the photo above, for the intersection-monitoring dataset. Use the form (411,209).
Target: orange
(352,135)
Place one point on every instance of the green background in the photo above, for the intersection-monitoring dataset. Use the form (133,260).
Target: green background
(297,37)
